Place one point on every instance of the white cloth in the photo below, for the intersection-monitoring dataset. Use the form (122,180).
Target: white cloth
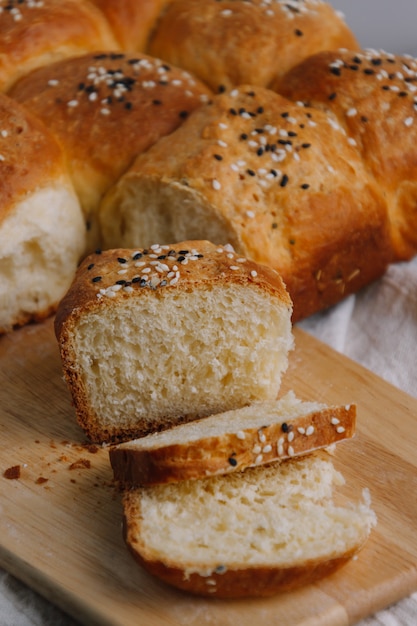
(377,328)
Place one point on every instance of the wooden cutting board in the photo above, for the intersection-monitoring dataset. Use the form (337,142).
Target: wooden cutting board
(60,521)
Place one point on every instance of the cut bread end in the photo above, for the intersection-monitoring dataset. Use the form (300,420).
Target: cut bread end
(231,441)
(258,532)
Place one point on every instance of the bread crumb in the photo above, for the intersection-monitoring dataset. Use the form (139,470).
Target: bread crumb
(12,473)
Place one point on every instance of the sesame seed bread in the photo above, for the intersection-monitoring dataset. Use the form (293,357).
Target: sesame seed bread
(42,231)
(105,108)
(260,433)
(258,532)
(373,94)
(152,338)
(280,182)
(264,39)
(34,33)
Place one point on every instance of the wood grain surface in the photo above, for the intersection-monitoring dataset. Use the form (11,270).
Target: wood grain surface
(60,519)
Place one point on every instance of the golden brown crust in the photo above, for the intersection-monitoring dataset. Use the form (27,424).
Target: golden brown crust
(233,451)
(105,108)
(226,582)
(263,40)
(132,21)
(33,34)
(373,96)
(29,155)
(282,179)
(99,274)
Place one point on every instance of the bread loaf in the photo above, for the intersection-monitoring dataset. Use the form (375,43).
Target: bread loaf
(105,108)
(260,433)
(35,33)
(151,338)
(42,231)
(266,530)
(373,94)
(231,43)
(281,182)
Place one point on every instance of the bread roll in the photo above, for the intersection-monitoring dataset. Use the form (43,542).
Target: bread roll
(260,433)
(35,33)
(152,338)
(280,182)
(105,108)
(132,21)
(42,231)
(374,96)
(254,533)
(231,43)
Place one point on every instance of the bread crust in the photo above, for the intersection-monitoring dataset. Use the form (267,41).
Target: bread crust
(372,94)
(98,286)
(131,21)
(38,33)
(233,451)
(281,182)
(30,155)
(233,43)
(104,109)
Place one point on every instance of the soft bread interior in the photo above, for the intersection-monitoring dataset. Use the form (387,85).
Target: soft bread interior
(276,515)
(41,242)
(138,211)
(164,355)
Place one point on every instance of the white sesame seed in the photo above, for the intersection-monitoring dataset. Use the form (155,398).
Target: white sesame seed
(256,449)
(351,141)
(254,273)
(291,435)
(240,434)
(105,111)
(310,430)
(216,185)
(409,121)
(4,133)
(226,12)
(340,429)
(267,448)
(261,436)
(290,451)
(351,112)
(335,421)
(73,103)
(301,430)
(53,82)
(258,459)
(233,267)
(234,93)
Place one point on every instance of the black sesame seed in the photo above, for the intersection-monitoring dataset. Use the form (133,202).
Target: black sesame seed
(402,94)
(250,172)
(286,114)
(376,61)
(305,145)
(218,157)
(136,279)
(98,251)
(221,89)
(260,151)
(233,111)
(291,133)
(96,279)
(143,282)
(156,102)
(284,181)
(332,96)
(128,105)
(181,258)
(260,110)
(137,256)
(161,257)
(336,71)
(284,427)
(183,114)
(81,86)
(298,32)
(364,119)
(120,282)
(243,136)
(292,242)
(183,251)
(357,60)
(90,266)
(305,186)
(232,461)
(121,259)
(274,172)
(369,71)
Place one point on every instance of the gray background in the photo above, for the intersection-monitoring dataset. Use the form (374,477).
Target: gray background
(390,25)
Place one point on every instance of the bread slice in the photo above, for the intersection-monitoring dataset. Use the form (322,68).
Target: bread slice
(253,533)
(152,338)
(231,441)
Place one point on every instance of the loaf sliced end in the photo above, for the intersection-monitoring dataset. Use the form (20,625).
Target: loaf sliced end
(253,533)
(253,435)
